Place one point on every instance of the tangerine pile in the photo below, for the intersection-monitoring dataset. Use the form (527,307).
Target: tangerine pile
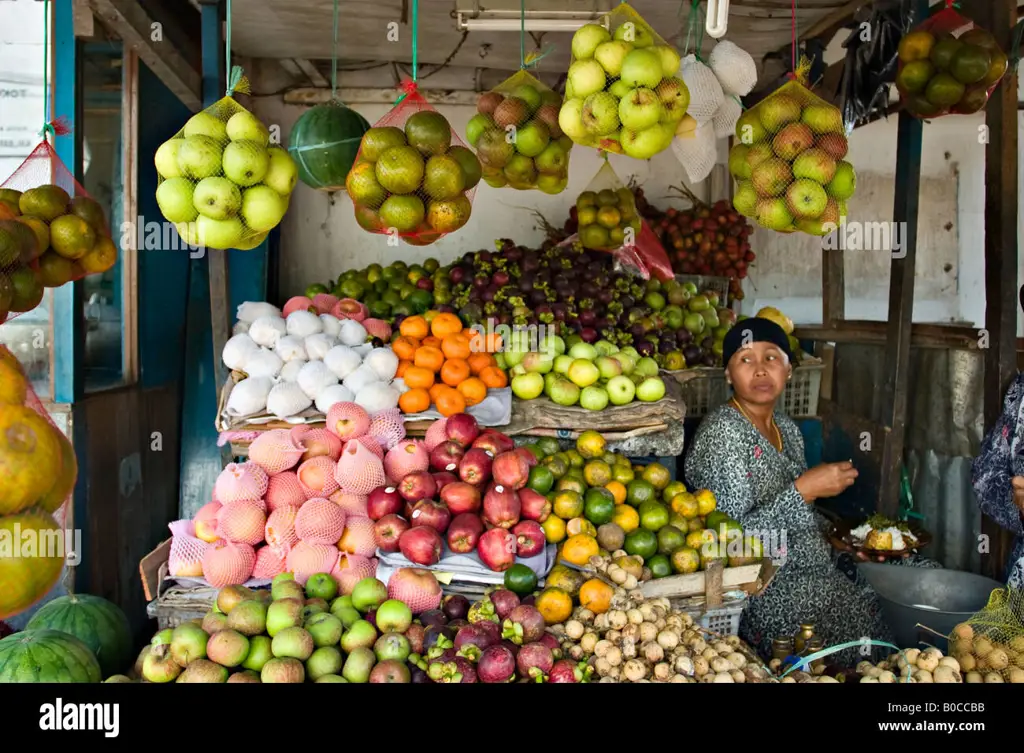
(444,364)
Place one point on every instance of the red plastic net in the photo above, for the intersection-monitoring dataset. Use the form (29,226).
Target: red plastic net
(413,177)
(51,231)
(38,471)
(948,65)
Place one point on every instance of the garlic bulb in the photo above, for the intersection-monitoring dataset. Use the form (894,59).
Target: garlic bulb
(249,397)
(364,349)
(237,350)
(360,379)
(267,330)
(315,377)
(332,324)
(352,333)
(263,363)
(250,311)
(377,397)
(302,324)
(240,328)
(342,360)
(400,385)
(290,347)
(287,399)
(336,393)
(290,372)
(384,362)
(318,346)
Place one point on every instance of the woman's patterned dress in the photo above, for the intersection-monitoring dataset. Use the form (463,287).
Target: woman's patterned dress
(1001,458)
(754,484)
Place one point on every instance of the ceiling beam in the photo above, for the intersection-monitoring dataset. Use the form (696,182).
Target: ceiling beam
(354,96)
(133,25)
(314,76)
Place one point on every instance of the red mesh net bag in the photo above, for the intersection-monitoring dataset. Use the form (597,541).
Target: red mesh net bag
(948,65)
(413,177)
(186,556)
(51,231)
(38,471)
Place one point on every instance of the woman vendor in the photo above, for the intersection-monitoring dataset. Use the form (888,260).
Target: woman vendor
(751,457)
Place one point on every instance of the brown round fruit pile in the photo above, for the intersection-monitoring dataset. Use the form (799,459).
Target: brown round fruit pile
(941,74)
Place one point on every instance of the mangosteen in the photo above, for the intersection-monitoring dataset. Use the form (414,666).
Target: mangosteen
(560,310)
(589,289)
(444,308)
(526,283)
(602,322)
(399,318)
(459,622)
(456,275)
(485,256)
(564,290)
(514,254)
(692,353)
(589,335)
(418,677)
(488,295)
(587,318)
(628,302)
(604,296)
(637,331)
(468,258)
(683,336)
(707,343)
(433,617)
(645,348)
(505,317)
(537,297)
(666,346)
(500,278)
(709,359)
(481,281)
(530,263)
(455,606)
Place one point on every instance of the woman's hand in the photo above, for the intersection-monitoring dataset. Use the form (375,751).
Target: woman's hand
(1017,485)
(830,480)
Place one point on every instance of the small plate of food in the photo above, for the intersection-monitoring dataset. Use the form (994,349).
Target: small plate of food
(879,538)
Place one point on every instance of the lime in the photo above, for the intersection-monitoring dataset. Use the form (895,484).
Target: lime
(536,451)
(714,518)
(597,473)
(674,488)
(653,516)
(353,289)
(520,579)
(944,51)
(660,566)
(971,64)
(420,301)
(567,504)
(639,491)
(917,45)
(642,543)
(570,484)
(623,473)
(670,539)
(549,445)
(685,560)
(914,76)
(575,459)
(316,289)
(599,506)
(558,464)
(658,475)
(541,479)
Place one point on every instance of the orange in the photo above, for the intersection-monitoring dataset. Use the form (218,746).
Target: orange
(436,389)
(555,605)
(431,341)
(414,401)
(494,377)
(554,529)
(454,372)
(429,357)
(417,377)
(618,490)
(626,517)
(455,346)
(484,342)
(473,390)
(578,549)
(402,366)
(445,324)
(414,326)
(405,347)
(596,595)
(450,402)
(480,361)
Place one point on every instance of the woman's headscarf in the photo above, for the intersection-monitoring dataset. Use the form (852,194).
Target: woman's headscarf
(754,330)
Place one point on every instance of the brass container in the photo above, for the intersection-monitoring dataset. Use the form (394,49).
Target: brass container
(814,645)
(781,648)
(803,635)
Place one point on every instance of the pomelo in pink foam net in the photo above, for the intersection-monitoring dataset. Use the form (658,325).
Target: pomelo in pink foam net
(307,559)
(242,522)
(241,481)
(320,521)
(359,471)
(318,477)
(283,490)
(269,563)
(228,564)
(276,450)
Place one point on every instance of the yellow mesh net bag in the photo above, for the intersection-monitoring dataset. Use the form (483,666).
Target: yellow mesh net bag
(517,137)
(623,91)
(990,645)
(222,182)
(789,162)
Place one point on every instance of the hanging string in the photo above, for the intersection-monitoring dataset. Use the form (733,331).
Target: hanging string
(693,21)
(522,34)
(334,55)
(796,41)
(409,87)
(47,128)
(236,81)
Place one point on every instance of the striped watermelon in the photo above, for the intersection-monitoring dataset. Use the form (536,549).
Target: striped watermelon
(324,143)
(98,623)
(44,656)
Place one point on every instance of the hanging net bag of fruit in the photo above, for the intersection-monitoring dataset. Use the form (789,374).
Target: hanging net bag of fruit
(324,140)
(38,471)
(789,162)
(991,642)
(623,93)
(948,65)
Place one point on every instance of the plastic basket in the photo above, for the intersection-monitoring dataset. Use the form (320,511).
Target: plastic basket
(705,388)
(724,620)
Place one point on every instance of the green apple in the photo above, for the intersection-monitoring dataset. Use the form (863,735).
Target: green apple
(651,389)
(217,198)
(583,350)
(174,197)
(587,39)
(244,126)
(263,208)
(501,360)
(517,370)
(514,357)
(594,398)
(562,364)
(282,174)
(605,348)
(844,183)
(527,386)
(564,392)
(189,232)
(205,124)
(608,367)
(611,54)
(669,59)
(552,345)
(587,77)
(632,352)
(621,390)
(166,159)
(220,234)
(539,363)
(199,157)
(583,373)
(626,361)
(637,35)
(647,367)
(245,162)
(550,380)
(570,120)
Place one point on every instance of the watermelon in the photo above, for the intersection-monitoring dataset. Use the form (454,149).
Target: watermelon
(98,623)
(44,656)
(324,143)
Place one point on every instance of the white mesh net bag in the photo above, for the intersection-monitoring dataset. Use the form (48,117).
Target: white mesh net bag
(734,68)
(706,93)
(186,556)
(726,117)
(699,153)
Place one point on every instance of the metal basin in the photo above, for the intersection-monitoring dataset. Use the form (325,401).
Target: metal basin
(937,598)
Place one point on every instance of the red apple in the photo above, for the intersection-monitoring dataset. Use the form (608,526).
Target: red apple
(384,500)
(446,456)
(422,545)
(444,478)
(475,467)
(528,456)
(463,428)
(464,533)
(535,506)
(497,549)
(427,512)
(416,486)
(461,497)
(530,539)
(388,530)
(501,506)
(510,469)
(494,441)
